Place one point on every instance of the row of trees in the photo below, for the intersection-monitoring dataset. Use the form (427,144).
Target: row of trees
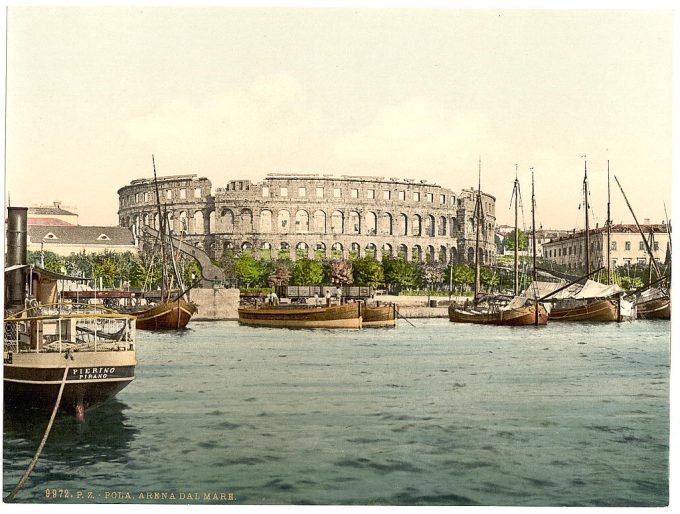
(142,270)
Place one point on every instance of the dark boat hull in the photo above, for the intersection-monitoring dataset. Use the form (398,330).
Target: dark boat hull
(33,380)
(521,316)
(170,315)
(348,315)
(383,316)
(659,308)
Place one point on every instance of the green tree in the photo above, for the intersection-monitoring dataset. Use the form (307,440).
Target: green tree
(400,272)
(105,267)
(308,272)
(247,269)
(463,275)
(488,278)
(510,241)
(367,271)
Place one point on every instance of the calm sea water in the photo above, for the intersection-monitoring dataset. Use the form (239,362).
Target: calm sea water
(568,414)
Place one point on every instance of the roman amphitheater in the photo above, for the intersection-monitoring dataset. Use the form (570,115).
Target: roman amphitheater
(316,216)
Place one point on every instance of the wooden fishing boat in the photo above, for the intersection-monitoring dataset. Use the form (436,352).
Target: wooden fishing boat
(167,315)
(653,303)
(510,311)
(659,308)
(380,316)
(599,310)
(510,316)
(348,315)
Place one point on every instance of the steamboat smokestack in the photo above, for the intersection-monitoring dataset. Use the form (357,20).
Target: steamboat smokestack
(17,234)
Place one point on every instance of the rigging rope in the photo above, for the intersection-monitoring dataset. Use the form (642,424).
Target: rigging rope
(34,461)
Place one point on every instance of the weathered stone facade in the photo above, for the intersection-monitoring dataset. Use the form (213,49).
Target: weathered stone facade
(308,215)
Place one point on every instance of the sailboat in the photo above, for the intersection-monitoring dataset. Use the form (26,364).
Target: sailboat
(591,300)
(653,301)
(170,312)
(521,310)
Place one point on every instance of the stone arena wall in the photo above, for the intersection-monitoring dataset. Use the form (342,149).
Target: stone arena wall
(309,215)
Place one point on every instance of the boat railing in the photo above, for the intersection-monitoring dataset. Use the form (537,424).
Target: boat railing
(48,332)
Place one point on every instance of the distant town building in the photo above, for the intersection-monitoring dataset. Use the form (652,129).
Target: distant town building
(54,215)
(55,229)
(68,239)
(316,215)
(627,246)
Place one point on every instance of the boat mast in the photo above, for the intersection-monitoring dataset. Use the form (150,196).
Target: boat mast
(478,211)
(668,229)
(515,193)
(533,225)
(161,227)
(644,239)
(609,228)
(533,243)
(585,203)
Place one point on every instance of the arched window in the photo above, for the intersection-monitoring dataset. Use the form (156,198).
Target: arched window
(371,250)
(430,226)
(386,227)
(354,222)
(198,222)
(226,221)
(471,255)
(417,225)
(336,251)
(265,221)
(183,223)
(337,225)
(443,254)
(355,251)
(417,253)
(301,250)
(301,222)
(319,222)
(442,226)
(403,252)
(387,250)
(403,224)
(429,255)
(320,251)
(266,251)
(371,223)
(283,222)
(247,221)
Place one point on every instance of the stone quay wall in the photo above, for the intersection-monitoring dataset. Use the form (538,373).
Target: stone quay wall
(317,215)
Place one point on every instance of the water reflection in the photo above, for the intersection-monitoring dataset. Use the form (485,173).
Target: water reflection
(106,434)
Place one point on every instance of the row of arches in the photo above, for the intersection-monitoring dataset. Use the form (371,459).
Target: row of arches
(418,253)
(349,222)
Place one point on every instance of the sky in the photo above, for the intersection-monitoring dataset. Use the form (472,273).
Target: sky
(236,93)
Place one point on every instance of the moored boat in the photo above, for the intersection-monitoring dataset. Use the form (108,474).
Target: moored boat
(77,355)
(380,316)
(590,301)
(348,315)
(513,314)
(514,311)
(653,304)
(167,315)
(93,351)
